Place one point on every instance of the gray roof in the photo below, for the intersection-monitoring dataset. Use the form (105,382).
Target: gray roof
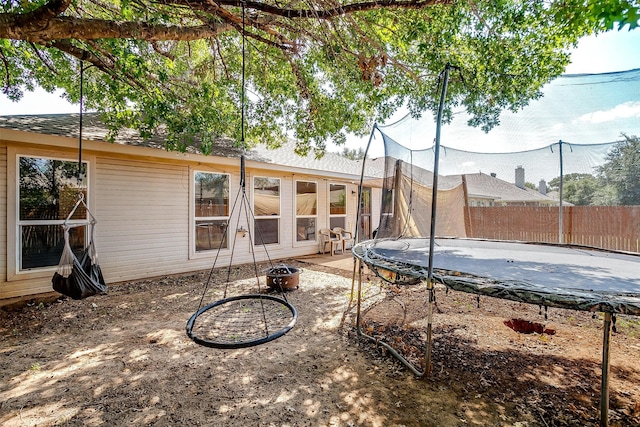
(93,129)
(486,186)
(67,125)
(479,185)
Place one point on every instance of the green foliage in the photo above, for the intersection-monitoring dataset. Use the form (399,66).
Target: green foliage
(578,188)
(309,78)
(617,181)
(581,191)
(353,153)
(612,13)
(621,172)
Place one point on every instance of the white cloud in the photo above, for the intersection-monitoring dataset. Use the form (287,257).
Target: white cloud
(625,110)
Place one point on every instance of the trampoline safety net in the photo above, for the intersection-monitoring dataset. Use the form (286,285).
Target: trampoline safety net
(579,218)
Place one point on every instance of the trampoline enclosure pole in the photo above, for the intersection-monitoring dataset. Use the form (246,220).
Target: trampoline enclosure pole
(432,236)
(560,226)
(604,387)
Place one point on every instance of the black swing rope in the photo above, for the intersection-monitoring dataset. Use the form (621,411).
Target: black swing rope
(79,277)
(243,320)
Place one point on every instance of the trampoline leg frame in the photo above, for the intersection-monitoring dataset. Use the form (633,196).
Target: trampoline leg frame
(394,353)
(604,386)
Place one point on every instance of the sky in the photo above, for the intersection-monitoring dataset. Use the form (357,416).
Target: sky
(607,52)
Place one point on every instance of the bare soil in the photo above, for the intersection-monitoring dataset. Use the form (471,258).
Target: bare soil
(125,359)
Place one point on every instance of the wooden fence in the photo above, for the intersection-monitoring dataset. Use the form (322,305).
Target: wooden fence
(606,227)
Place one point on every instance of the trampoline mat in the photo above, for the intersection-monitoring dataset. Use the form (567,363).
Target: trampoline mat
(552,275)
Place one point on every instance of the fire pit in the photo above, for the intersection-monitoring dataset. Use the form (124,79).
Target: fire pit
(283,277)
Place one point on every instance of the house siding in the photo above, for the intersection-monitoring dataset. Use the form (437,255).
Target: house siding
(143,215)
(142,199)
(3,218)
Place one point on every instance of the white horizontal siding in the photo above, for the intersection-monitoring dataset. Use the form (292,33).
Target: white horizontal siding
(3,218)
(143,229)
(143,215)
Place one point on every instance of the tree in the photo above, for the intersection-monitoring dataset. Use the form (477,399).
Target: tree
(353,153)
(581,191)
(621,171)
(313,70)
(578,188)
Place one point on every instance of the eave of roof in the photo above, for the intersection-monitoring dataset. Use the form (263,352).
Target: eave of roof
(283,158)
(483,184)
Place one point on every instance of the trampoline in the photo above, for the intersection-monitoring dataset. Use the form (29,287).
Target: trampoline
(550,275)
(439,227)
(562,276)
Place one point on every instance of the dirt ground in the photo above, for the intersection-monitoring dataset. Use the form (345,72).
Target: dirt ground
(125,359)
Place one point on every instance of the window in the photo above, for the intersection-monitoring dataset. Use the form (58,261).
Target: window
(306,210)
(48,191)
(266,209)
(387,202)
(337,205)
(365,214)
(211,210)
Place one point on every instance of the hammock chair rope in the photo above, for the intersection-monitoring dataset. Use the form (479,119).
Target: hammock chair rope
(79,277)
(243,320)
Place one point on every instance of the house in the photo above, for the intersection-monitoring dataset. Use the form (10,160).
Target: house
(160,212)
(487,190)
(163,212)
(482,189)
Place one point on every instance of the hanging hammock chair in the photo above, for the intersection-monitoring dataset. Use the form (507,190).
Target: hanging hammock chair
(242,320)
(79,277)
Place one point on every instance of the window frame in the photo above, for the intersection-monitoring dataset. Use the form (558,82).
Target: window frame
(257,217)
(392,194)
(193,250)
(346,205)
(14,223)
(314,216)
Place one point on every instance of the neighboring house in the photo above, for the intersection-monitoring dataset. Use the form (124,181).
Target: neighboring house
(160,212)
(482,189)
(487,190)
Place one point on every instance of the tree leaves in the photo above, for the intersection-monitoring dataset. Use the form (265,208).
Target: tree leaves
(313,71)
(621,172)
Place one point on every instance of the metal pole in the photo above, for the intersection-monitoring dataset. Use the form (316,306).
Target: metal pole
(364,161)
(604,386)
(358,302)
(80,171)
(434,198)
(560,228)
(356,236)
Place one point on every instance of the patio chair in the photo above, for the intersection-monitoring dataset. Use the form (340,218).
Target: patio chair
(330,238)
(345,236)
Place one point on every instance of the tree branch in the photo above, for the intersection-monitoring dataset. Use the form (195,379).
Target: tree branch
(236,22)
(329,13)
(162,52)
(6,69)
(46,24)
(43,14)
(91,29)
(43,59)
